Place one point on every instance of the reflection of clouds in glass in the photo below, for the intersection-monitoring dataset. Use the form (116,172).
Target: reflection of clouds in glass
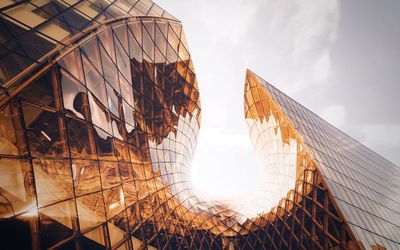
(99,114)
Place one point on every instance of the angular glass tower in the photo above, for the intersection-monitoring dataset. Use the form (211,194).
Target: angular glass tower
(343,189)
(99,118)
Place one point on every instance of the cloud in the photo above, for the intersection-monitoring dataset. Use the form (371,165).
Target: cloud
(298,36)
(335,114)
(231,21)
(313,25)
(226,22)
(381,135)
(287,42)
(322,67)
(383,138)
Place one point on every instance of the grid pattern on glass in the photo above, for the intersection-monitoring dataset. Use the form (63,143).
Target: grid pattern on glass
(95,149)
(82,148)
(117,177)
(33,31)
(306,217)
(364,184)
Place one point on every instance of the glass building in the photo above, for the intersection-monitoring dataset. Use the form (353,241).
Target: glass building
(99,118)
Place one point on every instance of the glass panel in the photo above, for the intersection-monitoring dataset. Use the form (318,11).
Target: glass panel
(92,53)
(95,239)
(100,115)
(110,69)
(46,131)
(114,201)
(130,193)
(17,65)
(128,114)
(104,144)
(171,54)
(109,174)
(44,91)
(11,134)
(72,63)
(56,223)
(91,210)
(74,96)
(113,100)
(73,21)
(118,128)
(126,90)
(123,60)
(17,192)
(81,139)
(126,171)
(86,176)
(135,50)
(8,29)
(148,44)
(94,81)
(122,150)
(106,39)
(117,228)
(21,232)
(88,9)
(29,42)
(173,39)
(121,35)
(53,180)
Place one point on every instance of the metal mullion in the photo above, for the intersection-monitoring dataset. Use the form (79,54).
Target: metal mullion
(3,45)
(22,123)
(32,61)
(90,20)
(313,207)
(295,221)
(150,8)
(303,210)
(15,4)
(62,12)
(133,6)
(75,222)
(127,231)
(102,10)
(43,23)
(116,60)
(92,140)
(62,242)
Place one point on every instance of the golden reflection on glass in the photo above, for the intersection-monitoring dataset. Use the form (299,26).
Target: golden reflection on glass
(86,176)
(91,211)
(17,189)
(53,180)
(97,150)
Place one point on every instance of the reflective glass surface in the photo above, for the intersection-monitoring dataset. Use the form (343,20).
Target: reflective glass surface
(364,185)
(99,127)
(33,31)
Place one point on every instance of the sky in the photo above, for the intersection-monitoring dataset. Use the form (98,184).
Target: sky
(340,59)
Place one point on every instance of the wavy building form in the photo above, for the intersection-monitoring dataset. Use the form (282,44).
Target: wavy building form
(99,118)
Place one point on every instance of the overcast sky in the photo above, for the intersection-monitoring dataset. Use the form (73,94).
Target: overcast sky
(340,59)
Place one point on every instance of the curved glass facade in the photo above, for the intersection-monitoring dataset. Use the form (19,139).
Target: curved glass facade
(99,118)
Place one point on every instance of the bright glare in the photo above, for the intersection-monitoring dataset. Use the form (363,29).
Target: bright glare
(225,39)
(221,168)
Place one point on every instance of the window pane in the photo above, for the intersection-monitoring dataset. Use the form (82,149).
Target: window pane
(53,180)
(81,139)
(86,176)
(17,191)
(46,132)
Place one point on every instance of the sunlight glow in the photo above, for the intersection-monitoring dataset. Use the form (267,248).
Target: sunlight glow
(251,188)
